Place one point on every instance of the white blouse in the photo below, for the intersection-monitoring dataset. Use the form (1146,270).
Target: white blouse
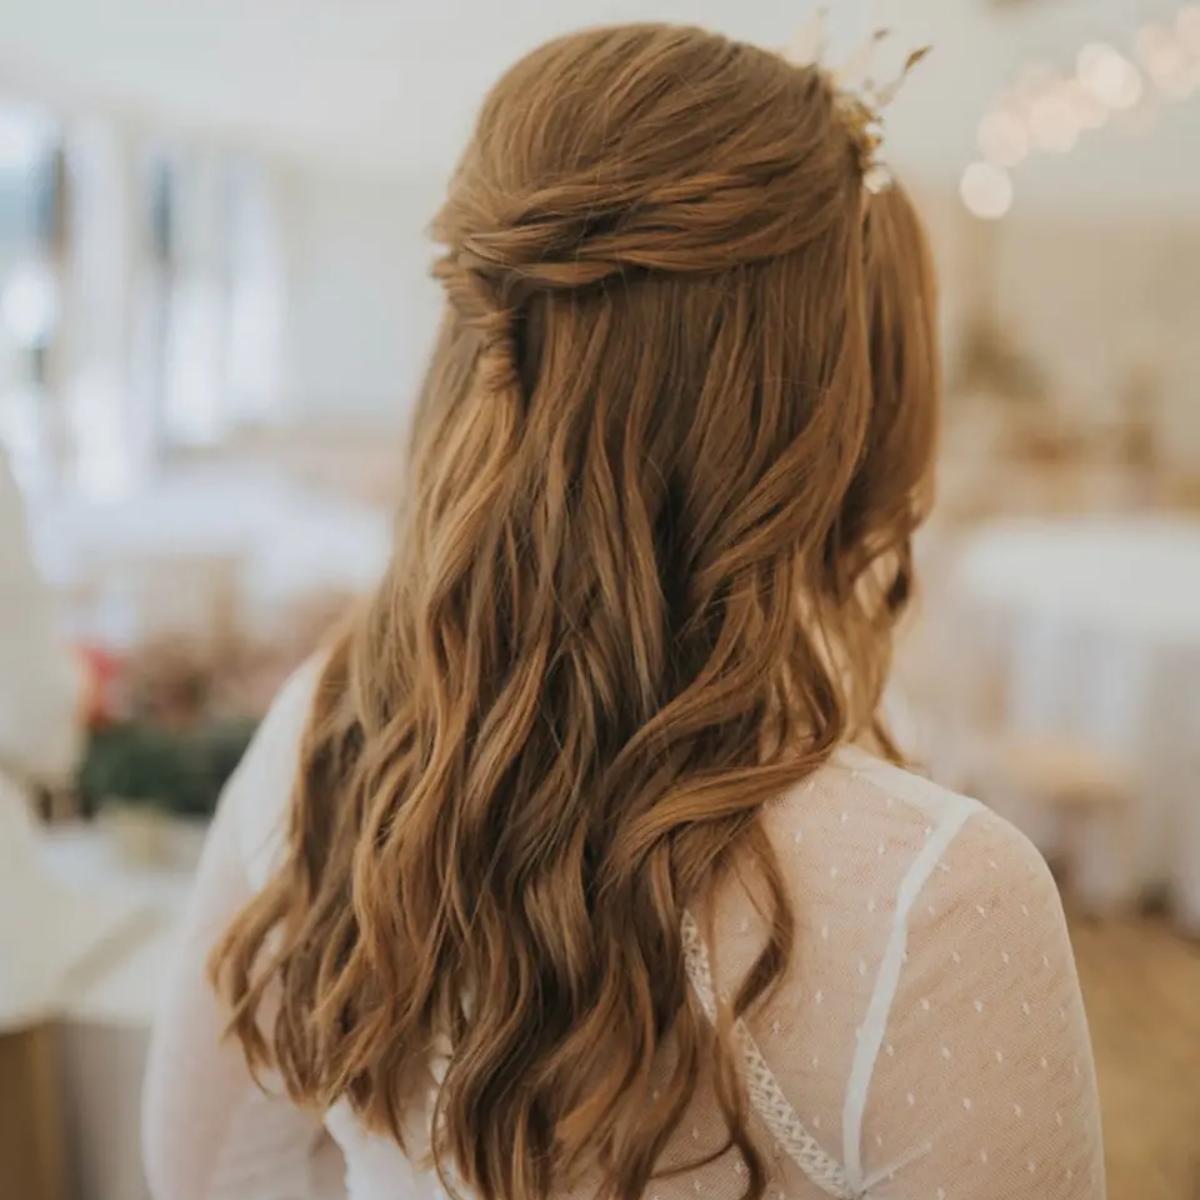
(929,1041)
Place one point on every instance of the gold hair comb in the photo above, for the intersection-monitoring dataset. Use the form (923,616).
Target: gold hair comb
(862,99)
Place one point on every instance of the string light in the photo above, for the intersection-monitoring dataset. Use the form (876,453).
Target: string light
(1166,61)
(1088,112)
(1003,138)
(1152,40)
(1110,76)
(1052,123)
(987,190)
(1187,26)
(1090,58)
(1045,110)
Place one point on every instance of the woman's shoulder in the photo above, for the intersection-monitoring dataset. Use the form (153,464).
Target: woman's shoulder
(259,793)
(974,836)
(861,819)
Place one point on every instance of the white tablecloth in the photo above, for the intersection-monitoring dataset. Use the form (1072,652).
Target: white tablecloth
(284,540)
(1098,624)
(107,1008)
(106,1003)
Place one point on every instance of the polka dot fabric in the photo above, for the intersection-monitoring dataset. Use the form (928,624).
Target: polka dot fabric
(928,1043)
(986,1086)
(930,1035)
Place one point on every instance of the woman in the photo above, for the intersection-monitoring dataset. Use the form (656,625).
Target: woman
(40,682)
(560,875)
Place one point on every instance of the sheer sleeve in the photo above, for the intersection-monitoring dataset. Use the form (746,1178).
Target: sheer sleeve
(209,1131)
(984,1086)
(928,1041)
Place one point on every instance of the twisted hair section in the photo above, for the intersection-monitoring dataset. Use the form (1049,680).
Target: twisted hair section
(669,453)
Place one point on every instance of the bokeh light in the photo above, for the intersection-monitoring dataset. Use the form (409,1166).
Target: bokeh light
(986,190)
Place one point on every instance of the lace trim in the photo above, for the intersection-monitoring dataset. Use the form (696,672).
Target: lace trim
(763,1088)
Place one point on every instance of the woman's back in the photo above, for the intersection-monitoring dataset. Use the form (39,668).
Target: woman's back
(585,738)
(927,1041)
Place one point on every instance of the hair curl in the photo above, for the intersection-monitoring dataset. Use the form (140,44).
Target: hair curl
(670,451)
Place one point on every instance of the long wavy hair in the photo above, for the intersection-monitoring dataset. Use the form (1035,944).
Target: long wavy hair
(671,448)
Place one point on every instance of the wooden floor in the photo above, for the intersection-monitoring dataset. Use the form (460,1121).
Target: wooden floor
(1141,985)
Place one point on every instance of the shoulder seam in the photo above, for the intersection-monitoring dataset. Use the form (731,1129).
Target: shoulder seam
(905,786)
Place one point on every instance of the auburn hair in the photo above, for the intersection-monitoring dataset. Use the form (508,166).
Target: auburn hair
(671,448)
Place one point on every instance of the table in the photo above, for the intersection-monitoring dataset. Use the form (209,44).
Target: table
(106,1011)
(1097,623)
(125,916)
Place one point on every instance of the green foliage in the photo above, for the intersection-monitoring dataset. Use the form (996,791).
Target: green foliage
(179,771)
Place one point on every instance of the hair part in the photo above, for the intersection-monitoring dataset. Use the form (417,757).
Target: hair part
(670,451)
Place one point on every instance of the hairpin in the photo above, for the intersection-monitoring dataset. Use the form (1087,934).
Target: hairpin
(861,99)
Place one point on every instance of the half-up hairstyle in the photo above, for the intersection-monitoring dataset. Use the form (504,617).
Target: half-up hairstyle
(670,451)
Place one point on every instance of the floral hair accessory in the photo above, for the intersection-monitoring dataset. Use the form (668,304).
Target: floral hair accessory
(861,99)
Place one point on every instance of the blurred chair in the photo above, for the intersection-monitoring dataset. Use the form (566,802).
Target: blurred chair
(1084,793)
(1179,490)
(1073,798)
(31,1154)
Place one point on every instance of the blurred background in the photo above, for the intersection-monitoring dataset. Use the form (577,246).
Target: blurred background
(214,310)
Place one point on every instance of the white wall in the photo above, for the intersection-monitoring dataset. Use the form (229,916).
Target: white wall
(361,308)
